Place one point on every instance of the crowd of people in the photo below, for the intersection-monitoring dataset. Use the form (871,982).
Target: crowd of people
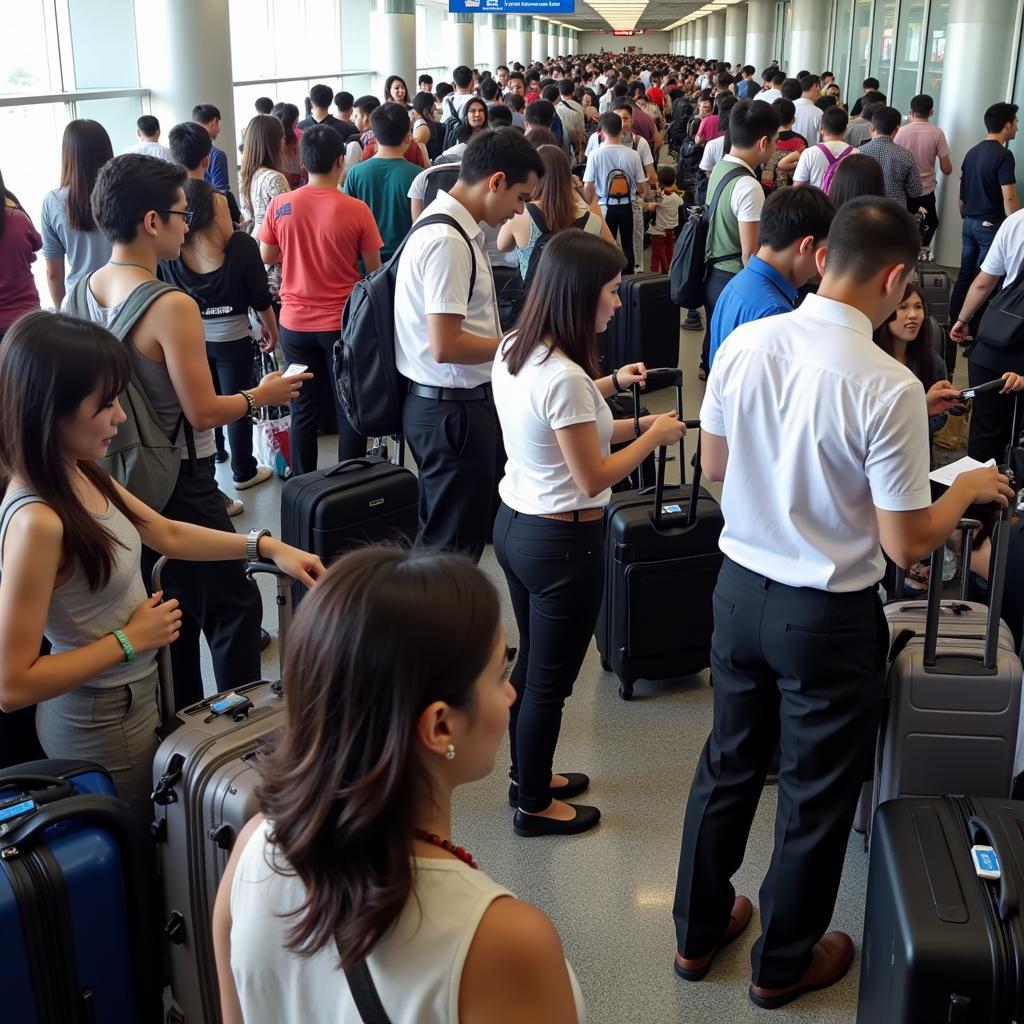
(551,178)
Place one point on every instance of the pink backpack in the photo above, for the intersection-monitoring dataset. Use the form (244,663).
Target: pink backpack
(833,163)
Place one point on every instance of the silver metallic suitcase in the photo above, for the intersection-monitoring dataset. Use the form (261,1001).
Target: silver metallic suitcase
(205,777)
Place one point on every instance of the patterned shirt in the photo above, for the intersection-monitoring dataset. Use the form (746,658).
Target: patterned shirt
(899,168)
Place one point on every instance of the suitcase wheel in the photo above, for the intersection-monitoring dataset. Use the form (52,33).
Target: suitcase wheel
(626,691)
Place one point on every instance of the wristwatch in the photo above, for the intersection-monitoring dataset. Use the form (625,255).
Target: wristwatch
(252,544)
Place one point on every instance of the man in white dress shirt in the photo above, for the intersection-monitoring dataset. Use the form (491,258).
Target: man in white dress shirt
(822,442)
(446,334)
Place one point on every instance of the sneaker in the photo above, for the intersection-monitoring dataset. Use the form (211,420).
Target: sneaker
(221,457)
(262,473)
(233,506)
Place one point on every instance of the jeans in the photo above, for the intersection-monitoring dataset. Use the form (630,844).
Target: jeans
(991,412)
(216,598)
(555,574)
(713,288)
(807,678)
(315,349)
(619,219)
(977,238)
(931,216)
(231,365)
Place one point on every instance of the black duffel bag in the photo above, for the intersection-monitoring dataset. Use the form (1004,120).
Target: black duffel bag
(1002,323)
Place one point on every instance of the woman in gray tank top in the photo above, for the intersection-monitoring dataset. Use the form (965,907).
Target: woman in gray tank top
(70,547)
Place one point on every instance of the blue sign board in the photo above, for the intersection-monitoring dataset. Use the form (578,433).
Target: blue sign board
(512,6)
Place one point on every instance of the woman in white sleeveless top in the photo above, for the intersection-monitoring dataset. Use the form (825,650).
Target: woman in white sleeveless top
(397,684)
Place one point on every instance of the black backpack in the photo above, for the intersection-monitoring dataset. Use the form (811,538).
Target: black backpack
(1002,323)
(451,125)
(440,178)
(370,388)
(689,265)
(435,147)
(513,295)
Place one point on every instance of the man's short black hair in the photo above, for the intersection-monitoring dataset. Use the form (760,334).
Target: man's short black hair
(443,89)
(749,70)
(922,105)
(611,123)
(128,187)
(769,73)
(785,109)
(320,147)
(778,79)
(501,67)
(366,104)
(343,101)
(999,115)
(835,120)
(321,96)
(792,89)
(886,120)
(204,113)
(566,87)
(489,90)
(423,101)
(425,80)
(867,112)
(808,82)
(869,233)
(871,83)
(622,103)
(751,120)
(515,102)
(189,142)
(790,214)
(390,124)
(825,101)
(517,74)
(724,80)
(462,76)
(264,105)
(872,96)
(550,93)
(540,113)
(505,150)
(499,116)
(148,125)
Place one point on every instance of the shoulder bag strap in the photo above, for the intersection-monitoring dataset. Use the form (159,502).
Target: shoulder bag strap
(709,212)
(828,153)
(365,994)
(538,218)
(444,218)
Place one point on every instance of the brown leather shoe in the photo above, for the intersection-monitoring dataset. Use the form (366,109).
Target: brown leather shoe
(830,960)
(695,968)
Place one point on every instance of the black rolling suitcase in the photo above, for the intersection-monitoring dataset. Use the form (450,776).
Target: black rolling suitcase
(357,502)
(659,544)
(646,328)
(937,288)
(622,407)
(942,943)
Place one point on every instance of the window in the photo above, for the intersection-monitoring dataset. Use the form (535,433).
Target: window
(860,49)
(421,38)
(882,42)
(841,45)
(29,55)
(909,55)
(285,38)
(935,54)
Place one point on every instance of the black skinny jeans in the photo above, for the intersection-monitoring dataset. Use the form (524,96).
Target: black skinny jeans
(619,218)
(231,364)
(555,574)
(315,349)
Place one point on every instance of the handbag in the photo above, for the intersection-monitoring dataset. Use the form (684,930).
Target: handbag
(273,425)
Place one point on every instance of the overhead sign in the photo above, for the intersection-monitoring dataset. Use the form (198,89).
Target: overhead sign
(629,32)
(512,6)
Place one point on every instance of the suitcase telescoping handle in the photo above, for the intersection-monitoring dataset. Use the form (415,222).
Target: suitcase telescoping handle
(283,600)
(1009,902)
(165,674)
(658,379)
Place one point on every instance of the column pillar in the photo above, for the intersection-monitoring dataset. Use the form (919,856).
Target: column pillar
(757,50)
(394,26)
(185,58)
(736,34)
(518,40)
(809,36)
(689,31)
(498,39)
(552,46)
(978,40)
(716,36)
(540,39)
(700,38)
(460,40)
(566,48)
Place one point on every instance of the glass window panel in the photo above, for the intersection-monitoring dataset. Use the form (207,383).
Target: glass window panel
(421,38)
(882,42)
(25,57)
(252,50)
(1017,145)
(118,116)
(356,50)
(860,49)
(910,52)
(103,44)
(935,54)
(841,45)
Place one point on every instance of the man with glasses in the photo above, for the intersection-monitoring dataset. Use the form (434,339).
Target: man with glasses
(139,205)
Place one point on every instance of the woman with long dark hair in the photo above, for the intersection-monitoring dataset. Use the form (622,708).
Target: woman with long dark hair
(548,535)
(396,91)
(857,175)
(68,227)
(472,119)
(19,243)
(288,115)
(70,545)
(351,863)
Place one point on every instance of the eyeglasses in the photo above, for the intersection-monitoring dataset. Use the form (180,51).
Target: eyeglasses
(510,659)
(187,214)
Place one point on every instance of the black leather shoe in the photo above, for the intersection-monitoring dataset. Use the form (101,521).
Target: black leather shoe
(264,640)
(527,825)
(220,457)
(578,783)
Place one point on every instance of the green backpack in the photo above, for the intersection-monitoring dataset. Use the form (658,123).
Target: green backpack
(141,457)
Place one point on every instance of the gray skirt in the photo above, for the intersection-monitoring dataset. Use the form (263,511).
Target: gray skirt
(115,727)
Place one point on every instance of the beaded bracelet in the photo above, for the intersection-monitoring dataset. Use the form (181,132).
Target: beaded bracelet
(126,645)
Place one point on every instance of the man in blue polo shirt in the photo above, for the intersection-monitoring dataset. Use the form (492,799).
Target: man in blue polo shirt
(794,225)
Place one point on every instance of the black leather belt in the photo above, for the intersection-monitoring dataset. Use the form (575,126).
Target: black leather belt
(478,394)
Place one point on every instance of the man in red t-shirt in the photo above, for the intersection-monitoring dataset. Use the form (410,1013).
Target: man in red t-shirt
(318,235)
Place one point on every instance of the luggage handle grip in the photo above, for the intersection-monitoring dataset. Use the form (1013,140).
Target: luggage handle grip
(347,466)
(164,672)
(284,601)
(1008,904)
(48,787)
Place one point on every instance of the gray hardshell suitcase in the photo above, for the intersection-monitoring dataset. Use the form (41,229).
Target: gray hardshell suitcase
(952,703)
(205,777)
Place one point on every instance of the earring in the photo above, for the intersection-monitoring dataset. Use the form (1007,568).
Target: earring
(450,753)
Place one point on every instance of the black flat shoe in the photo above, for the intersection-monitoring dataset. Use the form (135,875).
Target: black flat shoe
(528,825)
(220,457)
(578,783)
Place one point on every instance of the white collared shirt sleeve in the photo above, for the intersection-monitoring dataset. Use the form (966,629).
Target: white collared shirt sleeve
(747,200)
(802,174)
(711,418)
(898,458)
(447,266)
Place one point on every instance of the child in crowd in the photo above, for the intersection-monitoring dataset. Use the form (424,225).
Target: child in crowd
(666,220)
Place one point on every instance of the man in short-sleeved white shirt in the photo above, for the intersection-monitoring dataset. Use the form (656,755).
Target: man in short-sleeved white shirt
(713,153)
(822,442)
(446,333)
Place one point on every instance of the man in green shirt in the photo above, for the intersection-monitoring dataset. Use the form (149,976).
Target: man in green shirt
(383,181)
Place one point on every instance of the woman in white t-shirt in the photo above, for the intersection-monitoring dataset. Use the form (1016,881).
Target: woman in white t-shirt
(548,535)
(350,864)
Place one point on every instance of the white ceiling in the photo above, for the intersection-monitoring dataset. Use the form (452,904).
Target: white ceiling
(626,14)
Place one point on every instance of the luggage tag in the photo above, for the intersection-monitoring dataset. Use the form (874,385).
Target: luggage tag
(986,863)
(10,813)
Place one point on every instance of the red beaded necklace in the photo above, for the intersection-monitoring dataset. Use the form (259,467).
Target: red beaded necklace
(445,844)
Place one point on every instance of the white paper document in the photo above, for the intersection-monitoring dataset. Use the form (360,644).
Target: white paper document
(947,474)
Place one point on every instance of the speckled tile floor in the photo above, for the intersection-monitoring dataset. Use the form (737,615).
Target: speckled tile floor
(610,892)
